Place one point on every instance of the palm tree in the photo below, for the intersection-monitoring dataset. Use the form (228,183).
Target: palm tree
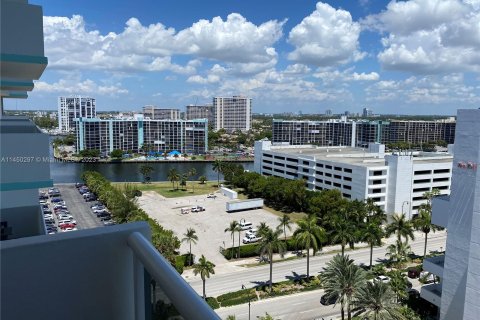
(232,229)
(192,172)
(285,222)
(374,212)
(401,226)
(190,237)
(343,279)
(266,317)
(377,300)
(173,176)
(343,231)
(398,284)
(398,252)
(217,167)
(145,170)
(309,235)
(204,268)
(423,222)
(372,233)
(269,243)
(202,179)
(239,230)
(262,228)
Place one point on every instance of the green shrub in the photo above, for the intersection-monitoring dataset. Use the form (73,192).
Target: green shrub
(213,303)
(246,251)
(179,263)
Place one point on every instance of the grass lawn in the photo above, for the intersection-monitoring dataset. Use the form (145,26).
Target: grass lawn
(165,189)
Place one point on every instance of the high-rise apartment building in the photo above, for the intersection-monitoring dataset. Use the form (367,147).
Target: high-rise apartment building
(70,108)
(200,112)
(156,113)
(105,135)
(232,113)
(367,113)
(328,112)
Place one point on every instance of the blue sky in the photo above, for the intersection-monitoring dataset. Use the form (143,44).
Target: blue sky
(408,57)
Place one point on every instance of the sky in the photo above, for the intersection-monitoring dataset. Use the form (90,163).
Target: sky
(404,57)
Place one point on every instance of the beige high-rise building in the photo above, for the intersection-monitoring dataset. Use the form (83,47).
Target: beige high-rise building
(232,113)
(199,112)
(156,113)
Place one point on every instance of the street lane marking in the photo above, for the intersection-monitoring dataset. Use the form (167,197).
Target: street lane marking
(298,303)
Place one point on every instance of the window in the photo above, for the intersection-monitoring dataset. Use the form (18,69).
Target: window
(328,174)
(347,170)
(374,182)
(328,182)
(279,158)
(421,181)
(377,190)
(441,171)
(266,168)
(328,166)
(305,163)
(421,189)
(423,172)
(305,170)
(442,188)
(267,161)
(378,199)
(319,180)
(336,176)
(418,198)
(292,160)
(346,195)
(377,173)
(440,179)
(346,186)
(347,178)
(279,171)
(266,155)
(320,165)
(338,185)
(320,173)
(338,169)
(291,167)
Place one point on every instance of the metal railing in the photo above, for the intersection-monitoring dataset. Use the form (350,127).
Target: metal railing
(186,300)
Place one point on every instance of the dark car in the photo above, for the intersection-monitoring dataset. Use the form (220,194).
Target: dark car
(327,300)
(79,184)
(91,197)
(413,273)
(56,200)
(103,214)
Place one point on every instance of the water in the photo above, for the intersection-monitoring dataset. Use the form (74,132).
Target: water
(69,172)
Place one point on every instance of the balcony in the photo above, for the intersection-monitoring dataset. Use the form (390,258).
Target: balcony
(434,265)
(101,273)
(432,293)
(441,211)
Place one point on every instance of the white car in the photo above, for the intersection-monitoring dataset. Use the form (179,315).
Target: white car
(99,210)
(65,217)
(48,216)
(67,221)
(252,232)
(251,239)
(69,229)
(211,195)
(383,279)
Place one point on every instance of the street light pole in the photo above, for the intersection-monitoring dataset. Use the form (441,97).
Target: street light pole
(249,300)
(406,201)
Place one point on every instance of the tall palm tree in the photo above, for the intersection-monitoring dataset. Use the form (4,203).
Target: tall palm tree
(398,284)
(343,231)
(190,237)
(262,228)
(401,226)
(372,234)
(285,222)
(173,176)
(398,252)
(423,222)
(343,279)
(232,229)
(191,173)
(239,230)
(374,212)
(309,235)
(217,167)
(377,300)
(205,268)
(269,243)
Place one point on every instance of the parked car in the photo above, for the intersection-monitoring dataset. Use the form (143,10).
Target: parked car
(67,221)
(251,232)
(99,209)
(79,184)
(197,209)
(327,300)
(42,196)
(383,279)
(42,202)
(109,223)
(65,216)
(69,229)
(106,217)
(250,238)
(91,197)
(103,214)
(211,195)
(66,225)
(83,190)
(56,200)
(413,273)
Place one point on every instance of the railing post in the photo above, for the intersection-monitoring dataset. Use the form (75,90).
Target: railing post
(139,289)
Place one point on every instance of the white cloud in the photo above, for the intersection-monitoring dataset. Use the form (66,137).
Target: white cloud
(69,45)
(429,36)
(346,75)
(71,86)
(326,37)
(211,78)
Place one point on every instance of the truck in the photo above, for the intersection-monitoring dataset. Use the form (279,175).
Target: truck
(240,205)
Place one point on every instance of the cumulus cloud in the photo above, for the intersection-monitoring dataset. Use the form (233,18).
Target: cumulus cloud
(69,45)
(346,75)
(429,36)
(69,86)
(326,37)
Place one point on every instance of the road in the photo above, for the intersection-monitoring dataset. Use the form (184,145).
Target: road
(251,277)
(301,306)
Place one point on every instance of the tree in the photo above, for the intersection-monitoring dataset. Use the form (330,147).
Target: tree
(183,180)
(204,268)
(232,229)
(343,279)
(116,153)
(217,167)
(343,230)
(202,179)
(191,173)
(376,299)
(309,235)
(173,176)
(398,252)
(145,170)
(423,222)
(401,226)
(266,317)
(190,237)
(269,243)
(398,284)
(239,230)
(372,234)
(285,222)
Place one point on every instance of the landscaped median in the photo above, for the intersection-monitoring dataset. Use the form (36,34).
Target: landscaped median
(261,292)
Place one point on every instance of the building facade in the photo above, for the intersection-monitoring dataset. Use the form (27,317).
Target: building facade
(156,113)
(232,113)
(343,132)
(70,108)
(200,112)
(458,292)
(105,135)
(396,182)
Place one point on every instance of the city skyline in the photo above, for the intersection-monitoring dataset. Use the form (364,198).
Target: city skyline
(304,56)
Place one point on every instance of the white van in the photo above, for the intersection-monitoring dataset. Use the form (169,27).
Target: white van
(246,225)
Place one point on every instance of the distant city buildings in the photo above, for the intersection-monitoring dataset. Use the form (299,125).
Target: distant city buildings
(141,134)
(70,108)
(457,294)
(328,112)
(156,113)
(200,112)
(232,113)
(366,113)
(396,182)
(360,133)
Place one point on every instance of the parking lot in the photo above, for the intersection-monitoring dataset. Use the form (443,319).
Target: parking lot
(209,224)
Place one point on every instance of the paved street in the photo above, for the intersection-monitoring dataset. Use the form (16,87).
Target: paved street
(78,207)
(250,277)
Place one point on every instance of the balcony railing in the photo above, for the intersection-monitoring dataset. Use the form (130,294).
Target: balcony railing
(434,265)
(187,302)
(432,293)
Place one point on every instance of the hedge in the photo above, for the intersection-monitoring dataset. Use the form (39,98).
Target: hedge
(237,297)
(251,250)
(213,303)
